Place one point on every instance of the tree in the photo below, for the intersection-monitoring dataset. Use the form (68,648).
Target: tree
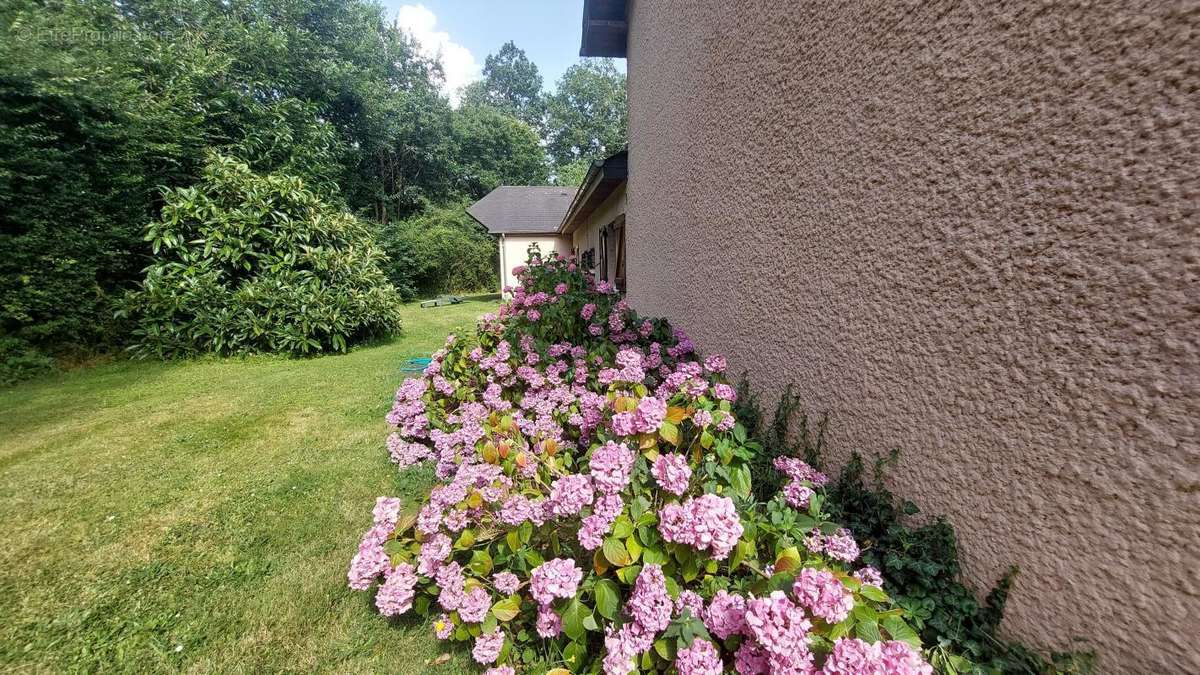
(572,173)
(586,117)
(494,149)
(474,94)
(511,83)
(83,147)
(355,71)
(247,262)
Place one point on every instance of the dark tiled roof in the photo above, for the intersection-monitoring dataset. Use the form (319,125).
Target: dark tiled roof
(511,209)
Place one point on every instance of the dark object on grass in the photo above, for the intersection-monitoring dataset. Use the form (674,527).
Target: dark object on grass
(442,301)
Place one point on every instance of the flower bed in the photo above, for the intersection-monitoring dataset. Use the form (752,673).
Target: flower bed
(594,510)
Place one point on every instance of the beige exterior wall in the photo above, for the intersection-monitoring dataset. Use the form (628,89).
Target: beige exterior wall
(587,236)
(967,230)
(514,251)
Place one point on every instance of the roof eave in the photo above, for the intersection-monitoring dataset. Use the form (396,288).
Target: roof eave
(605,28)
(602,178)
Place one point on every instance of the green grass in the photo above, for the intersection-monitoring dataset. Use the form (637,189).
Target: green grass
(200,515)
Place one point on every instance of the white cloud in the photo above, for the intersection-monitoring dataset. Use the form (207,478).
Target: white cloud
(457,61)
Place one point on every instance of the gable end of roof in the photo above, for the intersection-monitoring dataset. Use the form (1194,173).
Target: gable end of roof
(523,209)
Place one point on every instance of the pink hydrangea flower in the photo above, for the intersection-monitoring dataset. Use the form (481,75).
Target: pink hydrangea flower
(569,494)
(799,470)
(592,530)
(797,663)
(650,605)
(451,581)
(456,520)
(724,392)
(624,424)
(650,414)
(387,511)
(841,546)
(815,541)
(702,418)
(797,495)
(517,509)
(899,658)
(726,614)
(823,595)
(434,552)
(549,624)
(500,670)
(506,582)
(429,518)
(475,605)
(715,364)
(407,453)
(672,472)
(560,288)
(368,564)
(395,596)
(750,659)
(777,624)
(851,656)
(610,467)
(691,601)
(869,576)
(616,323)
(488,646)
(557,578)
(623,646)
(707,523)
(700,658)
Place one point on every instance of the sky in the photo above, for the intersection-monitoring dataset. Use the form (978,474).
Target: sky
(464,32)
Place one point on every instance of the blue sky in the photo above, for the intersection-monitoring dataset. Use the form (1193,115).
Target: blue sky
(464,32)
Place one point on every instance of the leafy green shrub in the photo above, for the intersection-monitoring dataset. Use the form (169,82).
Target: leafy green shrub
(440,250)
(20,361)
(250,263)
(919,563)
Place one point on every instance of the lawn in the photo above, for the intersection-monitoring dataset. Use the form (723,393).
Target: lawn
(199,515)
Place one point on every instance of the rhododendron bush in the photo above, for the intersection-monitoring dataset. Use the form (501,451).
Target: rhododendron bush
(594,513)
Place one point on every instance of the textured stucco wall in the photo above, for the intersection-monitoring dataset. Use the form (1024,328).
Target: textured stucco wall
(967,230)
(514,251)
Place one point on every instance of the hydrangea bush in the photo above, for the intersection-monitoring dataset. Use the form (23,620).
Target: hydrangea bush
(594,512)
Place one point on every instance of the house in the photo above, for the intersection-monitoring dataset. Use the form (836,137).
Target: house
(522,217)
(966,230)
(588,221)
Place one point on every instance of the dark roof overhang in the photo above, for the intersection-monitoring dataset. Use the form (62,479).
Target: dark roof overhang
(605,27)
(602,179)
